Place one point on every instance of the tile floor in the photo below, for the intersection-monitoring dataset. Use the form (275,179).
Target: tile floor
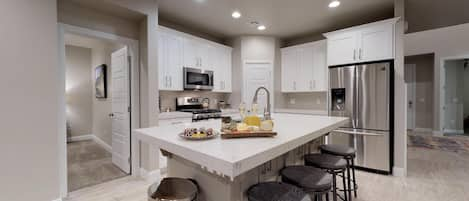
(89,164)
(433,175)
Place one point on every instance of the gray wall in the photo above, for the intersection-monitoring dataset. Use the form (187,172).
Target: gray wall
(423,89)
(29,112)
(310,101)
(78,91)
(424,15)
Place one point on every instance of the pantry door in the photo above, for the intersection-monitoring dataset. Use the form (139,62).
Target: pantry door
(258,74)
(120,91)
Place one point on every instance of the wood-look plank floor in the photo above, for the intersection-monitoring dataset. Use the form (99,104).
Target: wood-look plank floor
(433,175)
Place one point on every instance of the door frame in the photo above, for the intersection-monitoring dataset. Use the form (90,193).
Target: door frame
(442,88)
(244,73)
(411,85)
(133,48)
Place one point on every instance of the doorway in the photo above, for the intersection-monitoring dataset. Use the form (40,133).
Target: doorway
(456,97)
(258,74)
(101,152)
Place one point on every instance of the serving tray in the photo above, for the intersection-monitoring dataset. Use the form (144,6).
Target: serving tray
(244,134)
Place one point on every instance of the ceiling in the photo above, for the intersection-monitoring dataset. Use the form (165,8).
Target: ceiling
(287,19)
(107,7)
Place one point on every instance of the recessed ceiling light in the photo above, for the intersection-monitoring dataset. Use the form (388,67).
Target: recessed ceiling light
(334,3)
(261,27)
(236,15)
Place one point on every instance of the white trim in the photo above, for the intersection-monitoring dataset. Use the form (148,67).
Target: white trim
(423,130)
(152,176)
(133,46)
(102,143)
(80,138)
(399,172)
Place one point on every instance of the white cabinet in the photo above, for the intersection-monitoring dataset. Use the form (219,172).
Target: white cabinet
(170,49)
(222,70)
(177,50)
(164,122)
(365,43)
(304,68)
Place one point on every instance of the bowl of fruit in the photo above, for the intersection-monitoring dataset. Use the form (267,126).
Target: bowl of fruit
(198,133)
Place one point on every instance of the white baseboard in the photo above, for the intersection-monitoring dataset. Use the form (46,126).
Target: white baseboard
(80,138)
(102,143)
(91,137)
(423,130)
(454,131)
(151,176)
(398,172)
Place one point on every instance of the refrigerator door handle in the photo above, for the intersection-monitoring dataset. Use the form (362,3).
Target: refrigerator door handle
(355,99)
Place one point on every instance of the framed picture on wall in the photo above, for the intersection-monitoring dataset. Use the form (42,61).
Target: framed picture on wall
(100,82)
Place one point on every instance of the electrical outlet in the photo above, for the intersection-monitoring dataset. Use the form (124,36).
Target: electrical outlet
(292,101)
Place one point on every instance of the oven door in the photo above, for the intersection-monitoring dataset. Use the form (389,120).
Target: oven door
(197,79)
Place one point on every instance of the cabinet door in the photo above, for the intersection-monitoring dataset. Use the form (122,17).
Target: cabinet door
(320,67)
(341,49)
(227,65)
(376,43)
(174,63)
(289,70)
(162,77)
(304,77)
(191,48)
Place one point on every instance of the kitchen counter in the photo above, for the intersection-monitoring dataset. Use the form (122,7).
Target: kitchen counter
(230,161)
(301,111)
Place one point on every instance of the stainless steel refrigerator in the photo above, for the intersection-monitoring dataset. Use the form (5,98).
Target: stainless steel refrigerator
(363,93)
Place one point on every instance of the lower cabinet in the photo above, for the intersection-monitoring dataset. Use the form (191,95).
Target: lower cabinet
(174,121)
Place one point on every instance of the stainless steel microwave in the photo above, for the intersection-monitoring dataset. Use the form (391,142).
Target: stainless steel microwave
(198,79)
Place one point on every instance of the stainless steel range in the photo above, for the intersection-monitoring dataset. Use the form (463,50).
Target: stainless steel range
(198,107)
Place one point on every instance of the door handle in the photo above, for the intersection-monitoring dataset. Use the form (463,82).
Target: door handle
(111,115)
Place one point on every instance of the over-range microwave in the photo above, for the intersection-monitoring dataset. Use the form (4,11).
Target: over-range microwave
(198,79)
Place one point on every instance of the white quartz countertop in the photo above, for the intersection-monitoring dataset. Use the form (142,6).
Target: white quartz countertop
(232,157)
(174,115)
(301,111)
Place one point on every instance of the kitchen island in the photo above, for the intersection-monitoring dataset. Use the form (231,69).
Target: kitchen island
(225,168)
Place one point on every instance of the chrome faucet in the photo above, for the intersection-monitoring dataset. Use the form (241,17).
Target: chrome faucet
(266,109)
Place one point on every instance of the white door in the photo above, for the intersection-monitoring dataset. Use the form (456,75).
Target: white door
(289,70)
(341,49)
(410,83)
(120,109)
(376,43)
(257,74)
(320,67)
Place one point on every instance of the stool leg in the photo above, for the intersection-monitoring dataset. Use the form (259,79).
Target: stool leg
(345,186)
(327,196)
(349,180)
(354,180)
(334,186)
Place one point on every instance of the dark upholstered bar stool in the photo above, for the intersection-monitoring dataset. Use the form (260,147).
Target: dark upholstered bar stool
(332,164)
(349,155)
(314,181)
(276,191)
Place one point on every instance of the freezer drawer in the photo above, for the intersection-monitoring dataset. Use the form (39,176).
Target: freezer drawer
(373,151)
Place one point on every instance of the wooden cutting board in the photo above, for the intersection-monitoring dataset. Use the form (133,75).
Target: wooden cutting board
(236,134)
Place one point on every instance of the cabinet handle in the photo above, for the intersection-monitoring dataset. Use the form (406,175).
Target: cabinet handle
(311,85)
(165,81)
(354,54)
(294,85)
(360,54)
(314,84)
(170,81)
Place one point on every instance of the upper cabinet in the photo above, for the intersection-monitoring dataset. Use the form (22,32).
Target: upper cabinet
(304,68)
(365,43)
(177,50)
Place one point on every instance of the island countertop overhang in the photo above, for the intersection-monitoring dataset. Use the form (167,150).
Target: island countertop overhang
(233,157)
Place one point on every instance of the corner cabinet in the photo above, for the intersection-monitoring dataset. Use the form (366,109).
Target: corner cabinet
(177,50)
(304,68)
(365,43)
